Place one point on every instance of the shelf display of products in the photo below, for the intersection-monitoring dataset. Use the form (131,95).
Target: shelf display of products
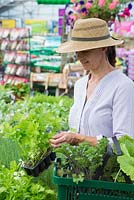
(46,57)
(14,46)
(126,56)
(50,63)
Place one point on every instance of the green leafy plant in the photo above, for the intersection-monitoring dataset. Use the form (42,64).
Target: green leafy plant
(126,161)
(5,94)
(121,168)
(9,151)
(32,122)
(19,90)
(82,161)
(29,124)
(16,185)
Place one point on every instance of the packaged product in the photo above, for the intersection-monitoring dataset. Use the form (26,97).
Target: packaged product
(20,71)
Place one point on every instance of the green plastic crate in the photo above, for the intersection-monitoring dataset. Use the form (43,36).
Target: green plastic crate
(92,189)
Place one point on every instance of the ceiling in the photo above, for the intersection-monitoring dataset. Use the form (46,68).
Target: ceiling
(9,4)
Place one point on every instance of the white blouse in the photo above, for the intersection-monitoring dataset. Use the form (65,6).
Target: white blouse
(109,110)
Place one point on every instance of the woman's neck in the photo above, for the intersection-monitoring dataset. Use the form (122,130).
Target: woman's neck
(96,75)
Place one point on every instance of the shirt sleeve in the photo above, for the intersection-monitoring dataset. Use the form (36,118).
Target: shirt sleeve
(123,110)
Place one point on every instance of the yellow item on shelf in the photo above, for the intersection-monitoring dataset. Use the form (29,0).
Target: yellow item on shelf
(118,62)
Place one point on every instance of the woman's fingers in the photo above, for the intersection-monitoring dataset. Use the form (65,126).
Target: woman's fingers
(59,140)
(65,137)
(58,135)
(55,145)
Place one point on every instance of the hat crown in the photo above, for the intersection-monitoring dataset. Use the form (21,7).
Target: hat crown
(90,33)
(90,28)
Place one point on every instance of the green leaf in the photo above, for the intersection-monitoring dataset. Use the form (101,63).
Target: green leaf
(124,149)
(78,177)
(2,189)
(127,144)
(127,165)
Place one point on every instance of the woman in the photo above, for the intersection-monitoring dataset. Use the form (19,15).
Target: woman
(104,99)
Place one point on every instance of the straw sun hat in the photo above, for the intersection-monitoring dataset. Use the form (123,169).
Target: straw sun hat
(90,33)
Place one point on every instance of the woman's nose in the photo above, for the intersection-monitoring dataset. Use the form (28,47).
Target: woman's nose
(80,55)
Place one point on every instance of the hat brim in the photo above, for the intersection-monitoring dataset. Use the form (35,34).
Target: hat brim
(73,46)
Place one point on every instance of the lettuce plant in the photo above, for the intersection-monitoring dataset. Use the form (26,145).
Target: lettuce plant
(126,161)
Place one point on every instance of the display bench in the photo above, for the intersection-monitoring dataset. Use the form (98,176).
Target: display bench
(61,81)
(57,80)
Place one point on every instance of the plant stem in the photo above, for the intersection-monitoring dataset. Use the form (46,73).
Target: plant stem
(117,175)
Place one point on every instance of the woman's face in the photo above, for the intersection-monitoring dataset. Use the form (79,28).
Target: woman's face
(91,59)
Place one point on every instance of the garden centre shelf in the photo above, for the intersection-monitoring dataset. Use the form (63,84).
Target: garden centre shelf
(46,59)
(47,66)
(43,51)
(14,46)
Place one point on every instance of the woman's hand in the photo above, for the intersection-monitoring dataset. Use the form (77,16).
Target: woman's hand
(71,138)
(65,137)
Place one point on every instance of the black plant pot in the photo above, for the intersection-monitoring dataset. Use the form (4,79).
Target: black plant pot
(41,165)
(52,156)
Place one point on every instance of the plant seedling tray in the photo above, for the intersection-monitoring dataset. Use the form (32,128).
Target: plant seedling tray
(41,165)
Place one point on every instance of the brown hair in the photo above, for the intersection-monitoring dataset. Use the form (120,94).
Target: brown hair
(111,55)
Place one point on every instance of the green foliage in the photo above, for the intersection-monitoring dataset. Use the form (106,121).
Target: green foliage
(126,161)
(111,170)
(5,95)
(46,178)
(80,162)
(9,151)
(29,125)
(20,89)
(32,122)
(127,144)
(16,185)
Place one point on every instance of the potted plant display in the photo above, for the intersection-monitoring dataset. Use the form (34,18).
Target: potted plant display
(31,123)
(104,9)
